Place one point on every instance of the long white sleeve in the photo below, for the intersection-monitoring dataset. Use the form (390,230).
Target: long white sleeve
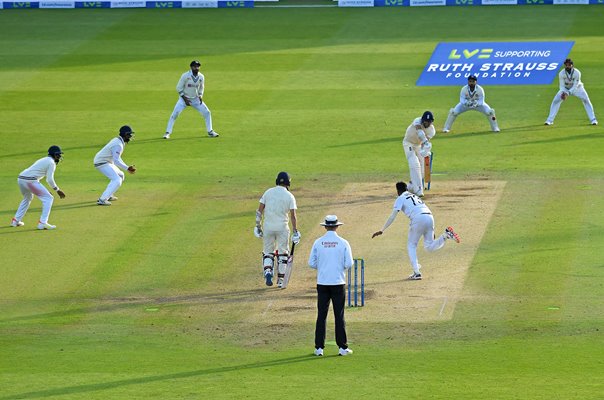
(117,159)
(390,220)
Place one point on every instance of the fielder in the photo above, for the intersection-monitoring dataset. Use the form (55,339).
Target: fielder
(277,205)
(29,184)
(416,145)
(421,224)
(107,161)
(190,89)
(570,85)
(471,97)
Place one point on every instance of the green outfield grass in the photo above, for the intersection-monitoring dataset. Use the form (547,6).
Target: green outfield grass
(128,302)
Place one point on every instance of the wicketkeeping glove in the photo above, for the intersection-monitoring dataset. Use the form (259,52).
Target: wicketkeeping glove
(296,237)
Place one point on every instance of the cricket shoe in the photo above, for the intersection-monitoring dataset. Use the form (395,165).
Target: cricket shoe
(280,282)
(416,276)
(318,352)
(213,133)
(594,122)
(496,130)
(344,352)
(102,202)
(451,234)
(15,223)
(446,131)
(46,225)
(112,198)
(167,135)
(548,123)
(268,276)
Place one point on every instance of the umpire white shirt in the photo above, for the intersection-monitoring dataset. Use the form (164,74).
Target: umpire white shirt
(331,256)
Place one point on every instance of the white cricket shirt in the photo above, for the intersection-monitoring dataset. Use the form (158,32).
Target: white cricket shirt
(278,201)
(569,81)
(111,153)
(411,135)
(411,205)
(44,167)
(191,86)
(331,256)
(472,98)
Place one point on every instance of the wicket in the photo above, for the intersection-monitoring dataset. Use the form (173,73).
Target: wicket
(357,262)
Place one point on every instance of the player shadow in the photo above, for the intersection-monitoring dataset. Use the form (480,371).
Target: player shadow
(366,142)
(98,146)
(586,136)
(453,135)
(96,387)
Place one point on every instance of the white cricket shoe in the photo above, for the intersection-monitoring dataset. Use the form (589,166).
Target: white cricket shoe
(344,352)
(594,122)
(416,276)
(46,225)
(213,133)
(15,223)
(112,198)
(548,123)
(167,136)
(102,202)
(496,130)
(318,352)
(280,282)
(446,131)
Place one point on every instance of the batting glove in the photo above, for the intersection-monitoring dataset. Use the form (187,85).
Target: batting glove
(258,232)
(296,237)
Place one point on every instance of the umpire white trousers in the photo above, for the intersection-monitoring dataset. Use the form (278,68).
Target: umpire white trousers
(28,190)
(196,104)
(415,168)
(116,178)
(422,225)
(581,94)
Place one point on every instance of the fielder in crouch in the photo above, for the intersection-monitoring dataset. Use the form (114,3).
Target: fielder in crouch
(277,205)
(190,88)
(421,224)
(107,161)
(416,145)
(570,85)
(29,185)
(471,97)
(331,256)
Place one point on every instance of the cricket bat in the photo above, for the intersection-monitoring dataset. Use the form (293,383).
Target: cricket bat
(428,170)
(289,268)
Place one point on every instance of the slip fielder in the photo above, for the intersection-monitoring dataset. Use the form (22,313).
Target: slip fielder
(570,85)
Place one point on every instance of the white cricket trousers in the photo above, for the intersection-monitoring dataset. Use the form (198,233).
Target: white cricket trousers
(116,177)
(422,225)
(196,104)
(276,240)
(578,92)
(28,190)
(415,168)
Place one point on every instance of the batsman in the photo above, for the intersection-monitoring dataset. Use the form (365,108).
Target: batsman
(277,206)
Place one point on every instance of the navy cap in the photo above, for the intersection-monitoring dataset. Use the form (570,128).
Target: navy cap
(195,62)
(472,77)
(125,130)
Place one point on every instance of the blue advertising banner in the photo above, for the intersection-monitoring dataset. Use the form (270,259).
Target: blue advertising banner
(495,63)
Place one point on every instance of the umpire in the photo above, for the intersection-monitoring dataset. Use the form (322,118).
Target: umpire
(331,256)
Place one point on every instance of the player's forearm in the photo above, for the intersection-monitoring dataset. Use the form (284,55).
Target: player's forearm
(390,220)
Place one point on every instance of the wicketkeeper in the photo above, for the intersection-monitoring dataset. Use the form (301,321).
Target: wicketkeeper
(277,206)
(471,98)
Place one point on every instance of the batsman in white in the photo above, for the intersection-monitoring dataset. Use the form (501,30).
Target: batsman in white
(29,184)
(416,145)
(190,88)
(107,161)
(277,205)
(471,97)
(421,224)
(570,85)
